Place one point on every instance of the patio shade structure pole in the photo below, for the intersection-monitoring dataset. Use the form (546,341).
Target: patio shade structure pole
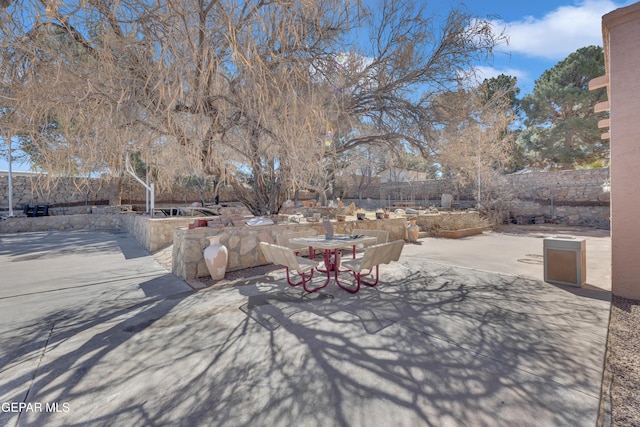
(149,194)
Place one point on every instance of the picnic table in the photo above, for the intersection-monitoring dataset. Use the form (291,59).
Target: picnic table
(331,247)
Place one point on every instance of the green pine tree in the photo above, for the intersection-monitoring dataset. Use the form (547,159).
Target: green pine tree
(561,127)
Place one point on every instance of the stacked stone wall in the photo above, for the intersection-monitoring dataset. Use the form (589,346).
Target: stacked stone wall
(152,233)
(34,189)
(571,197)
(561,186)
(576,197)
(242,242)
(569,185)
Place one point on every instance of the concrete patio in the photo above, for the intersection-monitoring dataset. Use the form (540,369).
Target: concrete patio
(459,333)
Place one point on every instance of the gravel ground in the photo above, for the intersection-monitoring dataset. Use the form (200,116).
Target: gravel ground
(622,366)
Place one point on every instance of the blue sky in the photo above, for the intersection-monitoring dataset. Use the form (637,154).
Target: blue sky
(541,33)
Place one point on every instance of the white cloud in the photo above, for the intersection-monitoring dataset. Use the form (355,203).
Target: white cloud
(478,74)
(484,72)
(560,32)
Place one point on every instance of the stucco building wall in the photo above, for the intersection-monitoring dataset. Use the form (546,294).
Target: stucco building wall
(621,37)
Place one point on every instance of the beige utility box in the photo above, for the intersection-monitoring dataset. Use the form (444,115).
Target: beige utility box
(565,261)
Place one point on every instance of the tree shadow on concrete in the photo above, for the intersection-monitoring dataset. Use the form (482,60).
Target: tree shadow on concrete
(45,360)
(430,346)
(52,244)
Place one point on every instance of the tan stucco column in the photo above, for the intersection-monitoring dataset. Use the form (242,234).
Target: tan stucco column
(621,36)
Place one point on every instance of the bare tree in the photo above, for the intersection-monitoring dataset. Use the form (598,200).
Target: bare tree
(252,92)
(365,163)
(390,84)
(475,143)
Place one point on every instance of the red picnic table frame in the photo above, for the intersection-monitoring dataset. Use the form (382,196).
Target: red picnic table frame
(331,251)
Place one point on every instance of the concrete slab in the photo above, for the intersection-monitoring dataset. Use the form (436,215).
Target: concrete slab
(433,344)
(518,251)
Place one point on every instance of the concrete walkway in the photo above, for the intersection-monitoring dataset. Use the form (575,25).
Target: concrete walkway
(95,332)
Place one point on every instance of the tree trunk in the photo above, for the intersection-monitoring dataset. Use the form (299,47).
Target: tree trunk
(115,191)
(322,197)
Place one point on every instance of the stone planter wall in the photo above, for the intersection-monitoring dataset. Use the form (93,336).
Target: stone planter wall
(157,233)
(457,234)
(242,242)
(432,223)
(153,233)
(427,222)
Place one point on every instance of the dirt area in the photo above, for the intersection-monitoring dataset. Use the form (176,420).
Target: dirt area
(621,387)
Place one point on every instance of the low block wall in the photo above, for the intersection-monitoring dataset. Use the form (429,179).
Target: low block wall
(588,216)
(242,242)
(62,222)
(157,233)
(153,233)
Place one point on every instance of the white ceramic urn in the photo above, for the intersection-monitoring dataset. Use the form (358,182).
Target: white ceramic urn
(215,256)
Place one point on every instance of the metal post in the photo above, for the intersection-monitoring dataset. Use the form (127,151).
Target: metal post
(149,187)
(153,199)
(479,177)
(146,179)
(10,178)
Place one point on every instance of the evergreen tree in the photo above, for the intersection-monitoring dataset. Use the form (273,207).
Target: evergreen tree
(561,127)
(506,87)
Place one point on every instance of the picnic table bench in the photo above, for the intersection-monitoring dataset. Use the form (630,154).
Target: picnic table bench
(36,210)
(375,255)
(281,255)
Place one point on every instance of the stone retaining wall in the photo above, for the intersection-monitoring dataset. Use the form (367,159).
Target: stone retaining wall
(102,221)
(561,186)
(153,234)
(579,192)
(38,189)
(528,212)
(242,242)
